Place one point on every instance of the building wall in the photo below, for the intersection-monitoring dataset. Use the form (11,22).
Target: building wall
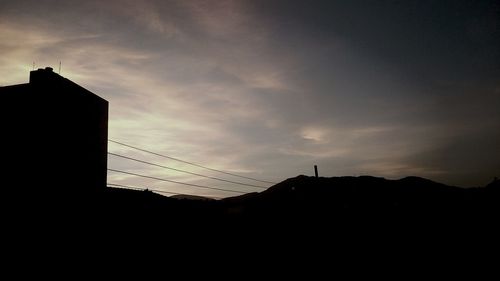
(55,135)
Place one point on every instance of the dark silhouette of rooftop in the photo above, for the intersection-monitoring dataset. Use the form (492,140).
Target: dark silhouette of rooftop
(54,137)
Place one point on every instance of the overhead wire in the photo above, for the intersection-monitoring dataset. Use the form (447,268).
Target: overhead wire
(188,162)
(141,188)
(177,182)
(122,186)
(184,171)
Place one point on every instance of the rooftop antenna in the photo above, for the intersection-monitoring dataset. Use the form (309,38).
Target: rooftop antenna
(33,65)
(59,67)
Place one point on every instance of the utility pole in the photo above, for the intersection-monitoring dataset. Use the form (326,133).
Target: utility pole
(316,170)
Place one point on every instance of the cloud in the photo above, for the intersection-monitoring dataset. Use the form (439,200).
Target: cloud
(147,14)
(219,18)
(260,88)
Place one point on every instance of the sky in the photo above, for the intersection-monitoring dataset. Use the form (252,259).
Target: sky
(268,89)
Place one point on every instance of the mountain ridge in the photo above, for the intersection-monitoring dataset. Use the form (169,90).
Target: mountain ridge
(299,199)
(341,214)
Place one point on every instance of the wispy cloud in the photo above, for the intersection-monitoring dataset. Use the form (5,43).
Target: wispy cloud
(224,84)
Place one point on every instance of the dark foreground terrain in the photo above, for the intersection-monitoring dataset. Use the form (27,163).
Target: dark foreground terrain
(359,220)
(301,203)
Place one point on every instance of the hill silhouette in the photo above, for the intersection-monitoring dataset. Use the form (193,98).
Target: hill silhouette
(365,199)
(338,204)
(300,199)
(191,197)
(344,216)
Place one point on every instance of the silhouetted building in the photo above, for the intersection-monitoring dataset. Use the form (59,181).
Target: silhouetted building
(54,136)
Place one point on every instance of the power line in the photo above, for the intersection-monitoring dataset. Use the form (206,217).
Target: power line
(121,186)
(115,185)
(190,163)
(177,182)
(183,171)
